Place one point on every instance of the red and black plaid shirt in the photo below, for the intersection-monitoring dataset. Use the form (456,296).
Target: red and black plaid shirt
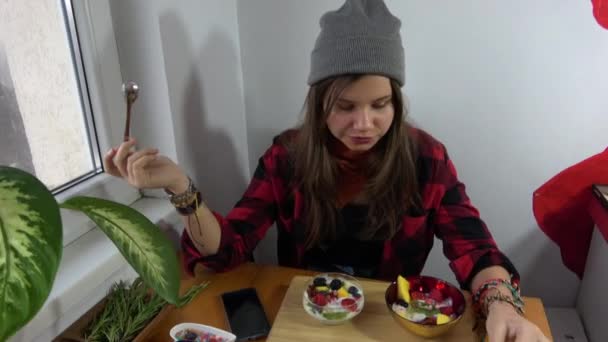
(448,214)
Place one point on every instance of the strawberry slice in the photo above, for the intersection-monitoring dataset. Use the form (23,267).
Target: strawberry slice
(319,299)
(349,304)
(416,295)
(448,310)
(430,321)
(436,295)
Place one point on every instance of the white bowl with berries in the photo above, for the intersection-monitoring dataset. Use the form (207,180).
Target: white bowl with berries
(333,298)
(194,332)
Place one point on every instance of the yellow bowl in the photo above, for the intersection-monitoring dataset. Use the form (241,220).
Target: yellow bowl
(427,330)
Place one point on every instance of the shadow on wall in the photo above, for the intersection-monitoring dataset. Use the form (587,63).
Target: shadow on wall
(543,263)
(195,84)
(198,89)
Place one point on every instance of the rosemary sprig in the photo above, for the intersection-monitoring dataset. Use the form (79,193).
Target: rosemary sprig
(192,292)
(128,309)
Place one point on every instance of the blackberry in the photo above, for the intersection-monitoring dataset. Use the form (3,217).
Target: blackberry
(335,284)
(353,290)
(319,281)
(190,336)
(402,303)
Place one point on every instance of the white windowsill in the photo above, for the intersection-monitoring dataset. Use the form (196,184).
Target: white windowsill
(89,266)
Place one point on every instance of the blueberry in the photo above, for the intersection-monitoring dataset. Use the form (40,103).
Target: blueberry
(402,303)
(335,284)
(191,336)
(319,281)
(353,290)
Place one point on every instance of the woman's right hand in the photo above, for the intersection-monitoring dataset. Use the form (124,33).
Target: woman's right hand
(145,169)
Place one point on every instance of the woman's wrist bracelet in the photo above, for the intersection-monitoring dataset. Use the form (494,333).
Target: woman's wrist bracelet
(500,297)
(512,286)
(186,202)
(482,300)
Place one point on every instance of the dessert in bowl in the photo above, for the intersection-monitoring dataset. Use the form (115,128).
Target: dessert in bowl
(333,298)
(425,306)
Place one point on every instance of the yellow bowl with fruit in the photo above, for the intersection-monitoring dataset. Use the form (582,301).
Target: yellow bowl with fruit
(425,306)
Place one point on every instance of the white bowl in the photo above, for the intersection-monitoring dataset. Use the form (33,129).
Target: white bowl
(333,314)
(202,328)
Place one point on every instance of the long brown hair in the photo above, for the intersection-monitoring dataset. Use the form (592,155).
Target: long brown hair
(392,182)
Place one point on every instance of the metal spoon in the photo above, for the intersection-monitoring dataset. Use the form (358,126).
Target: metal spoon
(131,90)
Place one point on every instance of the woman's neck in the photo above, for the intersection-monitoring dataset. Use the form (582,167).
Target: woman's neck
(352,177)
(341,152)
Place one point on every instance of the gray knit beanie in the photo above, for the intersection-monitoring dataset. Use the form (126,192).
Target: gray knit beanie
(361,37)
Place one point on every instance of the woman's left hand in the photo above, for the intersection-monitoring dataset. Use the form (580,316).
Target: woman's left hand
(504,324)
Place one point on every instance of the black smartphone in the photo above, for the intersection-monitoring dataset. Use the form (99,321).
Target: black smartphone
(245,314)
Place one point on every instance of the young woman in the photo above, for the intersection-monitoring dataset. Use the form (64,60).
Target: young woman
(354,188)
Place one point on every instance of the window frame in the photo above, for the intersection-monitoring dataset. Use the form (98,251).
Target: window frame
(90,32)
(71,32)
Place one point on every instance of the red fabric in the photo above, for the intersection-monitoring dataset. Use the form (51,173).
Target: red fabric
(448,214)
(351,167)
(600,12)
(561,209)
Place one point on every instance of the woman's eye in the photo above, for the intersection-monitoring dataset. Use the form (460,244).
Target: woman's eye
(380,105)
(346,108)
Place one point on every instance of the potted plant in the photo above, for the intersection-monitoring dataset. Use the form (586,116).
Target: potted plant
(31,246)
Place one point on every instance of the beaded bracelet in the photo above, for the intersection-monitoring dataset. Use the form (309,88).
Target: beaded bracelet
(500,297)
(481,311)
(190,208)
(186,202)
(481,302)
(494,283)
(184,198)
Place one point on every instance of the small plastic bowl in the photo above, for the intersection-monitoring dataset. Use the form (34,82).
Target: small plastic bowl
(332,304)
(420,328)
(200,329)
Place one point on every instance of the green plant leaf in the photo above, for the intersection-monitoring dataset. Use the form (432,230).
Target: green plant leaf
(141,242)
(30,247)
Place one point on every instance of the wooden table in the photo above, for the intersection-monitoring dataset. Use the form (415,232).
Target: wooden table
(271,283)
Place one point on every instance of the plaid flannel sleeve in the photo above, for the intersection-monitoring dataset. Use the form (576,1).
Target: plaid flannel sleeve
(467,242)
(245,225)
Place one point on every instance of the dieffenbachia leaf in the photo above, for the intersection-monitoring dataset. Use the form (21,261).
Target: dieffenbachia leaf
(141,242)
(30,247)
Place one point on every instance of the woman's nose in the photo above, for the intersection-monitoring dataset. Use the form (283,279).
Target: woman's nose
(362,119)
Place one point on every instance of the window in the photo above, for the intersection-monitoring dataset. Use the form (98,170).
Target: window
(47,127)
(60,99)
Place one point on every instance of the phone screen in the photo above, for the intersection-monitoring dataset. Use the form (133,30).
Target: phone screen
(245,314)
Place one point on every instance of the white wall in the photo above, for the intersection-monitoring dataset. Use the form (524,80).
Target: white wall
(516,90)
(592,297)
(185,56)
